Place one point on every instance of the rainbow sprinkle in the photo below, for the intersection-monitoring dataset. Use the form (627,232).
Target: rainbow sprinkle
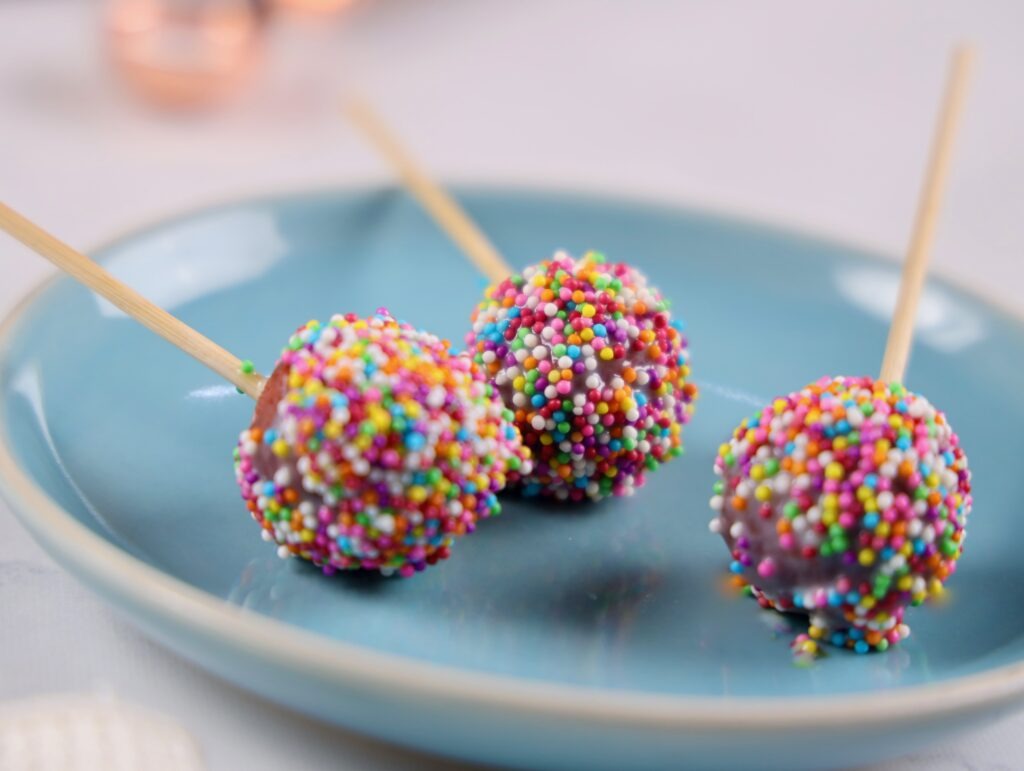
(376,449)
(586,355)
(846,501)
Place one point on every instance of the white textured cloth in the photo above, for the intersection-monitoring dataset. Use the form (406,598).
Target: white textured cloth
(804,112)
(76,733)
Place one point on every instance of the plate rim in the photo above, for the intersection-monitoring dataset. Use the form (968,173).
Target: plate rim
(89,556)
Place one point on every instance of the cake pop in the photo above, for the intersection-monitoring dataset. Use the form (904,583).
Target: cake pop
(373,447)
(583,351)
(848,500)
(586,355)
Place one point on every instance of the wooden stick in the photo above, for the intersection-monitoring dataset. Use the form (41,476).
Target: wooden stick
(915,266)
(451,217)
(131,302)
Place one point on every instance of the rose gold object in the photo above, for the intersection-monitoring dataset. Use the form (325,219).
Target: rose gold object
(314,6)
(185,53)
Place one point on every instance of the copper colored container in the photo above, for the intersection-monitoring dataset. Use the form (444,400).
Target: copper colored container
(185,53)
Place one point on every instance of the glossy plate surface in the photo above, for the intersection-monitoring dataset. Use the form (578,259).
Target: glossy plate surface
(608,620)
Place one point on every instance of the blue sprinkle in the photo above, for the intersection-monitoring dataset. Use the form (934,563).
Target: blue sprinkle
(861,647)
(600,330)
(415,441)
(735,567)
(538,400)
(574,351)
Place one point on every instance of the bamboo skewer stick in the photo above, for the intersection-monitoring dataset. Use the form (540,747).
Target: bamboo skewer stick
(175,331)
(915,266)
(451,217)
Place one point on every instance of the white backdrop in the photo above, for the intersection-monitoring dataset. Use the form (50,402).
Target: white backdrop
(807,112)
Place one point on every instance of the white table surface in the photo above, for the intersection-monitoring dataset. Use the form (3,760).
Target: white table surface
(811,112)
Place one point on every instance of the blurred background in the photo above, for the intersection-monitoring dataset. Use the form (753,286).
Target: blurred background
(810,113)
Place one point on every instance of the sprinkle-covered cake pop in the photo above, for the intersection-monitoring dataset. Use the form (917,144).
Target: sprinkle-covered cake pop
(595,370)
(846,501)
(373,447)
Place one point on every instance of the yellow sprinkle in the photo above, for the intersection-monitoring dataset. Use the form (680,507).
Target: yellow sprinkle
(866,557)
(588,310)
(763,493)
(280,448)
(606,353)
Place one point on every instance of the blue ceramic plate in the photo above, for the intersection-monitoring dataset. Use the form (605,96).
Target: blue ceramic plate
(597,636)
